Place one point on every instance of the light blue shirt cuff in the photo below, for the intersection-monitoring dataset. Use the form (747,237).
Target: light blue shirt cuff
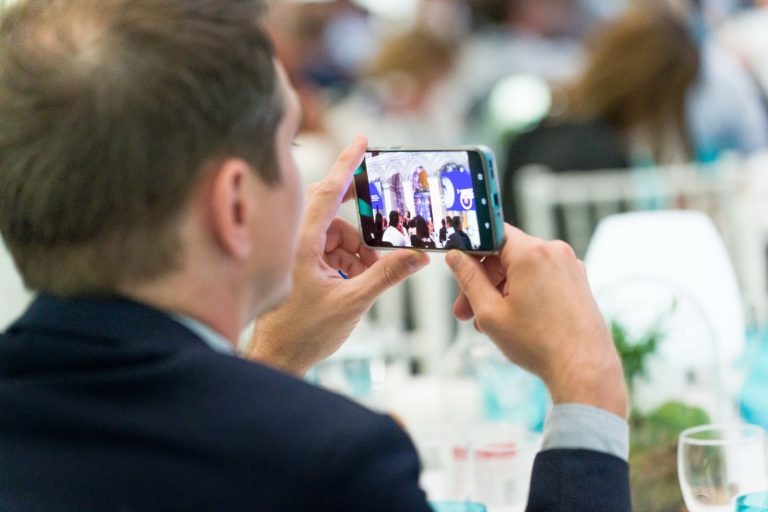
(586,427)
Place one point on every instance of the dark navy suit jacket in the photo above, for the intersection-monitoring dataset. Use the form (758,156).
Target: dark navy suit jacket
(109,405)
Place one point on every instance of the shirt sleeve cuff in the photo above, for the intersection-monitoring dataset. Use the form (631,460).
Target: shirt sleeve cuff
(582,426)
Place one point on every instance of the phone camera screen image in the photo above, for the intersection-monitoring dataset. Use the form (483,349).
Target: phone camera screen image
(426,199)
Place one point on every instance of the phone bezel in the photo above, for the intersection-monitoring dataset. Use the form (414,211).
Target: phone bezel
(491,188)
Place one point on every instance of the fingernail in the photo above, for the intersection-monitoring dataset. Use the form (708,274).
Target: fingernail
(453,259)
(416,262)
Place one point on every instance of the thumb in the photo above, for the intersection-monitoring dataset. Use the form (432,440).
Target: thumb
(388,271)
(472,279)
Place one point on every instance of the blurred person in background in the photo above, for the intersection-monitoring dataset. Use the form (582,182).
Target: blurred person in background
(398,100)
(745,34)
(725,111)
(627,107)
(539,37)
(451,19)
(324,46)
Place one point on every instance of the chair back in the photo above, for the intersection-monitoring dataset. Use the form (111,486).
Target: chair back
(569,206)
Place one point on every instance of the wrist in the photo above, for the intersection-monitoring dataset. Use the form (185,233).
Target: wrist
(601,386)
(264,349)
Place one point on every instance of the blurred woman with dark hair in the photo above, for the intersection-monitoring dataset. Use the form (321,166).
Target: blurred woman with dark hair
(422,238)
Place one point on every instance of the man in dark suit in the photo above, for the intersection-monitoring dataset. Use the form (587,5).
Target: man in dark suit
(142,143)
(443,233)
(459,239)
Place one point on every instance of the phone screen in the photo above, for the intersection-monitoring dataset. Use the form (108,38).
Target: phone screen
(428,199)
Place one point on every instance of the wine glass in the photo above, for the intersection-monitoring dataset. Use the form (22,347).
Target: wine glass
(717,463)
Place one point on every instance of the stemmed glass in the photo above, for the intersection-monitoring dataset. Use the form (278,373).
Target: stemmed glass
(717,463)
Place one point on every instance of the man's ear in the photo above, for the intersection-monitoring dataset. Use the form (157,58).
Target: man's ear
(233,200)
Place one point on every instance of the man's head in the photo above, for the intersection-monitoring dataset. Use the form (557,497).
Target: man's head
(112,118)
(394,219)
(457,223)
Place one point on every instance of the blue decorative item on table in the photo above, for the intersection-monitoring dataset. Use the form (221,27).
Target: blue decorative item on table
(753,403)
(755,502)
(457,506)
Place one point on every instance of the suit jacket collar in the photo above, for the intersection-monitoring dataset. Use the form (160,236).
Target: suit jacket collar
(108,319)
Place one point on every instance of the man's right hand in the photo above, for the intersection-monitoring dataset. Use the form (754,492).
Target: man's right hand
(534,302)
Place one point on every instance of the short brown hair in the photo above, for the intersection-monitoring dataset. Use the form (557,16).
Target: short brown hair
(417,53)
(110,112)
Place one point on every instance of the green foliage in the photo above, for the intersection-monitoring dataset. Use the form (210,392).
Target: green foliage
(653,457)
(653,454)
(664,424)
(673,417)
(635,353)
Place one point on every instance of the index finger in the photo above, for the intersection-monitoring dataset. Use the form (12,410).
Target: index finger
(348,195)
(323,204)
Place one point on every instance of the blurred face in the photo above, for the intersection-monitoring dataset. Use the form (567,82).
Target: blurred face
(279,210)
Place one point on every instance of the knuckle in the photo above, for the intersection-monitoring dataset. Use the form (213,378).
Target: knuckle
(326,188)
(468,272)
(561,248)
(539,250)
(484,313)
(391,276)
(346,158)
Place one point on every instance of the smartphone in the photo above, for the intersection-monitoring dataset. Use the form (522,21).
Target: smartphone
(430,199)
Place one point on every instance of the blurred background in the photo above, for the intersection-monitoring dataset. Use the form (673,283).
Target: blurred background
(636,130)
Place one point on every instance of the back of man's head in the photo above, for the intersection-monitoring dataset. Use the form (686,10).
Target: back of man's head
(110,112)
(394,218)
(457,222)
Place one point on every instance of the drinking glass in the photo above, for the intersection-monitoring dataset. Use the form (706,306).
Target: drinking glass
(495,465)
(755,502)
(717,463)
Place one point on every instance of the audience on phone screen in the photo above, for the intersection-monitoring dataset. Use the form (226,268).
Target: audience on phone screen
(396,234)
(421,238)
(459,239)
